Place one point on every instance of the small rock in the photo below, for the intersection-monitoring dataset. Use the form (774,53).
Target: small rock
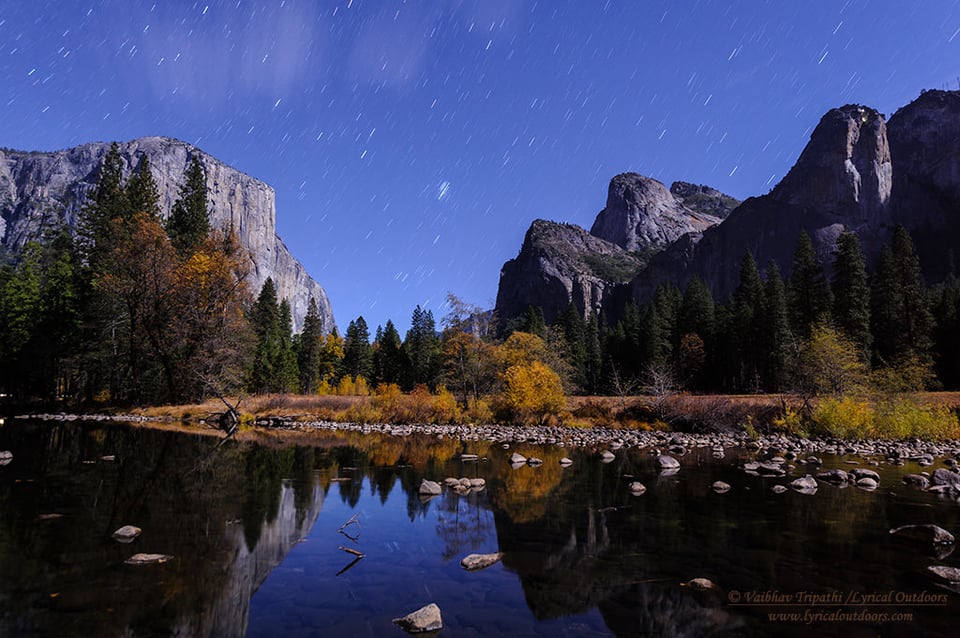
(925,532)
(917,480)
(127,534)
(468,457)
(451,481)
(859,473)
(949,574)
(478,483)
(667,462)
(804,483)
(424,619)
(867,483)
(720,487)
(473,562)
(148,559)
(770,469)
(945,477)
(566,462)
(517,458)
(833,476)
(637,488)
(701,584)
(430,488)
(778,489)
(534,461)
(606,456)
(5,457)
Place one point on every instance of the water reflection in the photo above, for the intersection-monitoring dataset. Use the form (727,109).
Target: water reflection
(255,529)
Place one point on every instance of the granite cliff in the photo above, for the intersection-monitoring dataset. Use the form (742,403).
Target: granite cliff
(560,264)
(42,190)
(858,172)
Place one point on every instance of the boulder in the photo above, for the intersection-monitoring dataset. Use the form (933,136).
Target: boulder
(148,559)
(424,619)
(859,473)
(867,483)
(473,562)
(720,487)
(804,483)
(126,534)
(429,488)
(925,532)
(945,477)
(517,458)
(917,480)
(667,462)
(833,476)
(949,574)
(637,488)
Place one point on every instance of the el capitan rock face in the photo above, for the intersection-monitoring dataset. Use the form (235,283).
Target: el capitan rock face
(40,191)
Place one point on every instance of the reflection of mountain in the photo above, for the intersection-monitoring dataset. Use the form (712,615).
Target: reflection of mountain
(229,606)
(65,577)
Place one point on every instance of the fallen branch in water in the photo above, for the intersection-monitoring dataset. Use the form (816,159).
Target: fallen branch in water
(352,521)
(350,550)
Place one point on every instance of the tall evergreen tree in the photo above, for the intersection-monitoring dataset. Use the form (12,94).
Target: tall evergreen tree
(141,190)
(357,351)
(20,306)
(388,363)
(778,339)
(851,292)
(310,349)
(946,312)
(748,310)
(808,292)
(288,375)
(422,348)
(108,202)
(265,320)
(900,310)
(189,221)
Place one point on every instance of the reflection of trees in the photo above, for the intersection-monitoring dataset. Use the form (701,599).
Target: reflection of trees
(464,523)
(188,501)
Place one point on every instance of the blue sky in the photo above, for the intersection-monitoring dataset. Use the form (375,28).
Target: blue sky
(411,143)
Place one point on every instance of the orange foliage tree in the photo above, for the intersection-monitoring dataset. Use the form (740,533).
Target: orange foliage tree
(531,392)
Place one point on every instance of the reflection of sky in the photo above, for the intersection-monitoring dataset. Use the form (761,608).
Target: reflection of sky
(411,144)
(408,563)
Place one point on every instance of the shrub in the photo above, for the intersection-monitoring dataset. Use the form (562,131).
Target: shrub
(843,417)
(531,393)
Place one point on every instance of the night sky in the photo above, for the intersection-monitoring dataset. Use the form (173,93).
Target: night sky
(412,143)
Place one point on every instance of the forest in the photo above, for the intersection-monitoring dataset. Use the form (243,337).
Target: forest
(133,310)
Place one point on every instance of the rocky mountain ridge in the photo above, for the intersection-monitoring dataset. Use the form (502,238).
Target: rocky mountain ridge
(858,172)
(43,190)
(560,264)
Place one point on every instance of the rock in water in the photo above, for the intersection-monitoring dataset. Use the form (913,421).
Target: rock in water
(805,483)
(926,532)
(6,456)
(701,584)
(473,562)
(637,488)
(424,619)
(126,534)
(720,487)
(565,461)
(148,559)
(950,574)
(607,456)
(517,458)
(833,476)
(945,477)
(917,480)
(667,462)
(778,489)
(429,488)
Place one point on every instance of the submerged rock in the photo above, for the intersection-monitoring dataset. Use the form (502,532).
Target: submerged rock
(424,619)
(473,562)
(148,559)
(925,532)
(126,534)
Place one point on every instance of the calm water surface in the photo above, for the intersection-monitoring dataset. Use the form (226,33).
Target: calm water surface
(254,530)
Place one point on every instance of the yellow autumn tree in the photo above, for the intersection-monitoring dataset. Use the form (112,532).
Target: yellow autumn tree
(531,392)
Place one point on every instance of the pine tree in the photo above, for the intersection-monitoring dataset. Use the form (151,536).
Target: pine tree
(778,338)
(422,350)
(357,352)
(142,192)
(388,361)
(107,203)
(265,320)
(20,307)
(189,221)
(748,310)
(946,312)
(808,292)
(309,349)
(851,292)
(900,311)
(288,375)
